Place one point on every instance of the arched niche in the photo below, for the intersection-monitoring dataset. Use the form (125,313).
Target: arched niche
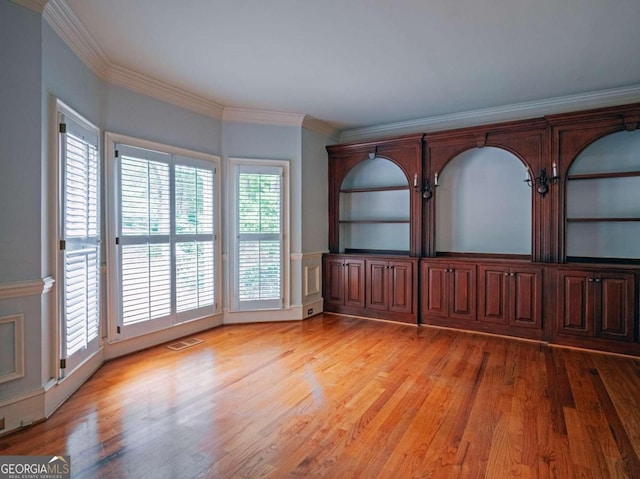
(483,204)
(375,208)
(603,199)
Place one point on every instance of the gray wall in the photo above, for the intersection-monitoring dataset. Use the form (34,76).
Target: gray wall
(20,148)
(314,192)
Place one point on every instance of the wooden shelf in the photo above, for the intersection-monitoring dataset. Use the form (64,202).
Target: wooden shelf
(373,189)
(372,221)
(597,220)
(597,176)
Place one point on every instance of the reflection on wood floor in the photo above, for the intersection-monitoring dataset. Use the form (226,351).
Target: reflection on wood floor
(343,397)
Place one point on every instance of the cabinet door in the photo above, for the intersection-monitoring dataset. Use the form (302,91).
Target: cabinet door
(575,303)
(354,283)
(493,294)
(434,289)
(378,285)
(614,305)
(525,295)
(462,291)
(334,273)
(401,286)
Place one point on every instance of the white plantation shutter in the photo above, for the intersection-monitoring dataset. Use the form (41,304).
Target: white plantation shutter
(260,237)
(166,238)
(80,235)
(144,234)
(195,259)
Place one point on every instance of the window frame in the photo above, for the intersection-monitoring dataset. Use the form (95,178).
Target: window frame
(235,164)
(116,331)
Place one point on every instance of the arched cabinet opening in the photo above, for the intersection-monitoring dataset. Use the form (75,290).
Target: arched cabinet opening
(603,200)
(375,210)
(483,204)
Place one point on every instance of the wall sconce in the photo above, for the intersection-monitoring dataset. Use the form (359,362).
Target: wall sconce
(427,189)
(542,181)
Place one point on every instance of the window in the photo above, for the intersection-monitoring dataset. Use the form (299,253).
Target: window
(165,243)
(79,232)
(260,223)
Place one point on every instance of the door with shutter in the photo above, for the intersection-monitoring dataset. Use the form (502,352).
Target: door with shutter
(79,226)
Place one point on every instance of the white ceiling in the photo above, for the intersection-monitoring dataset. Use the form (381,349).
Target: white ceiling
(354,63)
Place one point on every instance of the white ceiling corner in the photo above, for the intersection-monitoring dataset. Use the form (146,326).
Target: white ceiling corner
(34,5)
(71,29)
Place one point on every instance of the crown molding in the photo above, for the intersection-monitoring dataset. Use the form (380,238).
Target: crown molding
(146,85)
(325,129)
(33,5)
(263,117)
(73,32)
(515,111)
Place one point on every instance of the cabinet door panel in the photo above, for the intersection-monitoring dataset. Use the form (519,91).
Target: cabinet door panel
(526,298)
(614,306)
(493,294)
(401,286)
(334,282)
(462,292)
(378,285)
(434,290)
(575,303)
(354,283)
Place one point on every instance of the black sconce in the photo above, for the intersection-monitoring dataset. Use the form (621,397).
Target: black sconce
(542,181)
(427,189)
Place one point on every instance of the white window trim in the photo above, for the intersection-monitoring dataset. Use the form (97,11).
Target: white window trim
(111,190)
(232,233)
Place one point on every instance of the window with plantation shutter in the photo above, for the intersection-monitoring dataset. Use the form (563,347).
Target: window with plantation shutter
(79,237)
(259,231)
(166,243)
(195,259)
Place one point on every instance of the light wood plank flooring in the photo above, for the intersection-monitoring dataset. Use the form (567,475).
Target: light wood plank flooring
(341,397)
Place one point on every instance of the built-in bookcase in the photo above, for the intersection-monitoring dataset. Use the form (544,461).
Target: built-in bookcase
(603,199)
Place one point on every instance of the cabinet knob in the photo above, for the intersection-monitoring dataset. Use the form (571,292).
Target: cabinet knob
(590,280)
(512,274)
(597,280)
(506,274)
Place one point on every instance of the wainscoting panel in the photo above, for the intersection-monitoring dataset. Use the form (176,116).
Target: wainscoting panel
(11,347)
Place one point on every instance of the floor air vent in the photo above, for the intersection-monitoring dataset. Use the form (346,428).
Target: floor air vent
(185,343)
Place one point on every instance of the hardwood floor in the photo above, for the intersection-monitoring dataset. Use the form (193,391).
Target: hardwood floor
(349,398)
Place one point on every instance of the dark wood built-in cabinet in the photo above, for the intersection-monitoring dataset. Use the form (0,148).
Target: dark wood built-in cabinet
(596,304)
(344,280)
(448,291)
(377,286)
(576,282)
(390,285)
(510,295)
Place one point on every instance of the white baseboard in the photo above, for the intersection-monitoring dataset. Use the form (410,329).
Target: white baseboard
(58,392)
(294,313)
(22,410)
(128,346)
